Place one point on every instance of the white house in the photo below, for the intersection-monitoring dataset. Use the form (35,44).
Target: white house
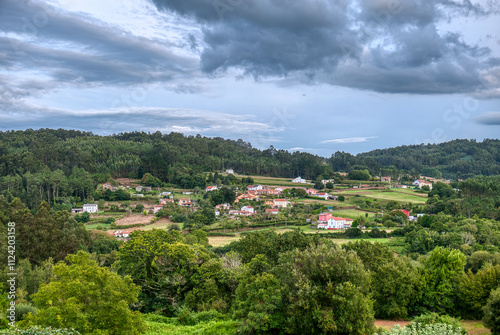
(211,188)
(229,171)
(299,180)
(283,203)
(91,208)
(336,223)
(157,208)
(420,183)
(248,209)
(254,187)
(323,195)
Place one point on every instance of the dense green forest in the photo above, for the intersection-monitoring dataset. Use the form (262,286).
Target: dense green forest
(458,159)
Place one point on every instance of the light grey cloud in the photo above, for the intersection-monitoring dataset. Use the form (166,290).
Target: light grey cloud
(390,46)
(489,119)
(149,119)
(348,140)
(73,49)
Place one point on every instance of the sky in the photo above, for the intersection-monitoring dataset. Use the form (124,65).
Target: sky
(312,75)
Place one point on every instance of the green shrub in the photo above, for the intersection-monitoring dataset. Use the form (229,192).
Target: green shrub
(24,309)
(435,318)
(420,329)
(491,311)
(35,330)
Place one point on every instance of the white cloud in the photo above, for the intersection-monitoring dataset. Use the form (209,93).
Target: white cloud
(348,140)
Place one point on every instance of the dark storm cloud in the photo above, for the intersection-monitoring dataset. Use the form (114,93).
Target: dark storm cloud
(80,50)
(380,45)
(489,119)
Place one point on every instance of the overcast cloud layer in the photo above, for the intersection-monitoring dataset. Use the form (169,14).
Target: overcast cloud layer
(311,75)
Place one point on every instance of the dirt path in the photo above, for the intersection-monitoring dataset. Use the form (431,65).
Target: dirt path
(388,324)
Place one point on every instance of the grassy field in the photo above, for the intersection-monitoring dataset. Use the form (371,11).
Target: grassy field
(388,195)
(352,213)
(274,181)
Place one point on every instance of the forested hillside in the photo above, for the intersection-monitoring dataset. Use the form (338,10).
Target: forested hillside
(455,159)
(53,165)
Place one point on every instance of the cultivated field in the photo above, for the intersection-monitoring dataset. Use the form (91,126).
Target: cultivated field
(387,195)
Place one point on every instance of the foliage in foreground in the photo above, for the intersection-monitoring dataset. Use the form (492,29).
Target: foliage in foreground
(35,330)
(419,329)
(491,311)
(88,298)
(159,325)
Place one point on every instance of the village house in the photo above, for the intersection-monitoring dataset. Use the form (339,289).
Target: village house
(323,195)
(229,171)
(407,213)
(267,192)
(247,196)
(211,188)
(90,208)
(141,188)
(421,183)
(164,194)
(76,210)
(254,187)
(334,222)
(400,186)
(120,233)
(281,203)
(385,179)
(326,181)
(248,209)
(299,180)
(186,202)
(311,192)
(157,208)
(225,206)
(235,212)
(272,210)
(166,201)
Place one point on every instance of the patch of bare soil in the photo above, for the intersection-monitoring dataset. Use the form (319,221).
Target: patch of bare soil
(134,219)
(128,182)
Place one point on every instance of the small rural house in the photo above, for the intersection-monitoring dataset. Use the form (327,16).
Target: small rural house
(282,203)
(420,183)
(385,179)
(76,210)
(157,208)
(90,208)
(323,195)
(311,191)
(211,188)
(186,202)
(229,171)
(299,180)
(335,222)
(254,187)
(248,209)
(272,210)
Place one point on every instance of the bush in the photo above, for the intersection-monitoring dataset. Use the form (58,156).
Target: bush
(435,318)
(419,329)
(40,331)
(491,311)
(24,309)
(174,226)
